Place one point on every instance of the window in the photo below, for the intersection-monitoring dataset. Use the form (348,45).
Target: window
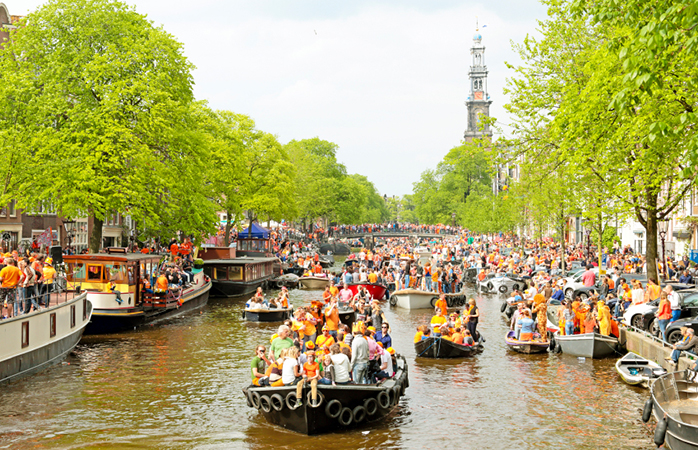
(84,309)
(235,273)
(25,334)
(94,272)
(13,208)
(76,271)
(115,272)
(72,316)
(52,325)
(221,273)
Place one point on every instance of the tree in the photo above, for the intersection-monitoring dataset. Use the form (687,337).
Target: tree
(110,97)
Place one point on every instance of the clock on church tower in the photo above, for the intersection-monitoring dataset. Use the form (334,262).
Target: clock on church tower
(478,102)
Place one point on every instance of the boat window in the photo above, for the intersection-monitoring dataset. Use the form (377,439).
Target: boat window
(52,325)
(94,272)
(221,273)
(115,272)
(25,334)
(148,271)
(131,275)
(235,273)
(76,271)
(208,271)
(691,300)
(84,309)
(72,316)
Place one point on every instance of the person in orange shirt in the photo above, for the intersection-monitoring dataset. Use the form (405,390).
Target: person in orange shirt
(317,268)
(283,296)
(457,336)
(332,318)
(420,332)
(442,304)
(333,289)
(161,283)
(438,319)
(325,340)
(10,276)
(311,374)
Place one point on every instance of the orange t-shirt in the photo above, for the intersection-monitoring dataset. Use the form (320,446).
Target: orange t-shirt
(161,283)
(174,249)
(418,336)
(457,338)
(323,341)
(10,276)
(311,368)
(185,249)
(334,290)
(441,304)
(332,319)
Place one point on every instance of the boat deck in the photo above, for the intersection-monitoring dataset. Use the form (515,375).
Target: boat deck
(56,298)
(685,410)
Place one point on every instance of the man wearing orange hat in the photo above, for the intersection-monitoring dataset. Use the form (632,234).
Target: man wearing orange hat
(325,340)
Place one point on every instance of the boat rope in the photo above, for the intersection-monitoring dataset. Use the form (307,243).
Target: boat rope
(430,346)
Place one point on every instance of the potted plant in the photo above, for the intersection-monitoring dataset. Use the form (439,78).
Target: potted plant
(198,263)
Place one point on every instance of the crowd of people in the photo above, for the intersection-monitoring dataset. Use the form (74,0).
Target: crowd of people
(27,283)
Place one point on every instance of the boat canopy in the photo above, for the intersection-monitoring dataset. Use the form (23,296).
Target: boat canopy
(257,232)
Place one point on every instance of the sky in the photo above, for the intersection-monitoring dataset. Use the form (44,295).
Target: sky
(384,80)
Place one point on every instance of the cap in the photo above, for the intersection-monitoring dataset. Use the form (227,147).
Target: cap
(380,344)
(372,329)
(390,350)
(324,327)
(49,261)
(309,345)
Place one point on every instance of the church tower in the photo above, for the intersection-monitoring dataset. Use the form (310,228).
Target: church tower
(478,101)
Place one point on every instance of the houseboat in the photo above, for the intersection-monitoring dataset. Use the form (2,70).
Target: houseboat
(32,342)
(236,277)
(132,302)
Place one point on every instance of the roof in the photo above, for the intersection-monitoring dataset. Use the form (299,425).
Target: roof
(240,261)
(113,257)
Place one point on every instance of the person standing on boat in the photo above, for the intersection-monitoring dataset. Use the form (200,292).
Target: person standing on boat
(29,288)
(541,311)
(568,316)
(383,335)
(281,342)
(359,355)
(442,304)
(472,318)
(527,325)
(10,276)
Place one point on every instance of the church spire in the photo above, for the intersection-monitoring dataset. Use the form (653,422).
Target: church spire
(478,102)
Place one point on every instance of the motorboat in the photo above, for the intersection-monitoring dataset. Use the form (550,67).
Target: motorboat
(437,347)
(534,346)
(337,407)
(636,370)
(416,299)
(588,345)
(378,291)
(674,403)
(267,314)
(314,282)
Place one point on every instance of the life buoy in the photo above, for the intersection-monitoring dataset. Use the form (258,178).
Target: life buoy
(393,300)
(333,408)
(371,406)
(265,403)
(433,302)
(504,307)
(255,399)
(359,414)
(383,399)
(320,399)
(647,410)
(277,402)
(346,417)
(503,289)
(291,401)
(660,432)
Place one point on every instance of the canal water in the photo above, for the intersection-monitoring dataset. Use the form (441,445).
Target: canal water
(177,385)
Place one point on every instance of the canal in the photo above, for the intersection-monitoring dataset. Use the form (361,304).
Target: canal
(177,385)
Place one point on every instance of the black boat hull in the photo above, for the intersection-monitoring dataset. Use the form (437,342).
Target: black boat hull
(267,316)
(318,420)
(236,288)
(443,348)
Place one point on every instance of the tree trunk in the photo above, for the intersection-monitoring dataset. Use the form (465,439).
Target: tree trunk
(563,225)
(96,234)
(651,253)
(228,227)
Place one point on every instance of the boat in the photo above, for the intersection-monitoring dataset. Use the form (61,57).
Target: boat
(326,261)
(378,291)
(130,304)
(436,347)
(35,341)
(287,279)
(416,299)
(673,403)
(267,314)
(636,370)
(240,276)
(588,345)
(314,282)
(423,251)
(525,346)
(338,407)
(347,315)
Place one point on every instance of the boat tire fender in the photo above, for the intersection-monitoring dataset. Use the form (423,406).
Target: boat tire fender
(504,307)
(346,417)
(393,300)
(359,414)
(249,400)
(291,401)
(396,395)
(503,289)
(320,399)
(383,399)
(371,406)
(330,408)
(243,313)
(449,302)
(277,402)
(433,302)
(647,411)
(558,348)
(391,396)
(255,398)
(490,286)
(660,432)
(265,403)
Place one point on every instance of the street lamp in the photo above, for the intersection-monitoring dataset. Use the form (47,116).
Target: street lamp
(663,226)
(69,226)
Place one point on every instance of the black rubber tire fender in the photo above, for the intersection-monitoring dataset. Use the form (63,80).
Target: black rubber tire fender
(503,289)
(391,396)
(330,406)
(660,432)
(243,314)
(291,401)
(647,410)
(249,399)
(371,406)
(449,302)
(515,287)
(383,399)
(433,302)
(346,417)
(396,395)
(320,399)
(490,286)
(255,397)
(504,307)
(277,402)
(393,300)
(265,403)
(359,414)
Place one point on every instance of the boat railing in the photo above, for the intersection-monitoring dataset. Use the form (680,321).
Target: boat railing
(45,295)
(658,340)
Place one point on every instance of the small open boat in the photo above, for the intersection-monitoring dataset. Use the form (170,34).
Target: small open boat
(435,347)
(267,315)
(588,345)
(525,346)
(377,291)
(314,282)
(635,370)
(673,403)
(416,299)
(338,408)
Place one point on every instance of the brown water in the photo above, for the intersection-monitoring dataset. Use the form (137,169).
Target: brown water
(177,385)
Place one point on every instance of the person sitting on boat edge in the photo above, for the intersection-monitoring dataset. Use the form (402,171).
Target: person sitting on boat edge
(386,365)
(689,343)
(291,374)
(310,374)
(340,364)
(281,342)
(468,340)
(258,367)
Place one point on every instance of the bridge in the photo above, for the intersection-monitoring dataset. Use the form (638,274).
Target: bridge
(389,234)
